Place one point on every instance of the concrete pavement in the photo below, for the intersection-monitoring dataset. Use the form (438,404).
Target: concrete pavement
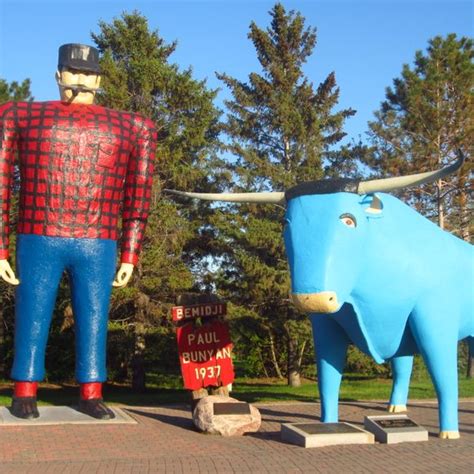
(163,440)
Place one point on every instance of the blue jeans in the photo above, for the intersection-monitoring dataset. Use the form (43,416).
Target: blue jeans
(40,263)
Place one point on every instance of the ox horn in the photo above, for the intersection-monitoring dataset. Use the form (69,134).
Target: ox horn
(390,184)
(262,198)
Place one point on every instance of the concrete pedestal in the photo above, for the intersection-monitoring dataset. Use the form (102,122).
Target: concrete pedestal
(312,435)
(395,429)
(63,415)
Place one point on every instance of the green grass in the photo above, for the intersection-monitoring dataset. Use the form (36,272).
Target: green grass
(354,387)
(168,389)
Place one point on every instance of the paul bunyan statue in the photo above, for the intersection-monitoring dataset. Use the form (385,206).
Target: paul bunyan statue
(82,168)
(371,271)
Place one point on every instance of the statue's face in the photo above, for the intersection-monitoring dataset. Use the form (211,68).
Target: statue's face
(90,81)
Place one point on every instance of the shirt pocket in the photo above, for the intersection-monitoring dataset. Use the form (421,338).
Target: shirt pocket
(107,154)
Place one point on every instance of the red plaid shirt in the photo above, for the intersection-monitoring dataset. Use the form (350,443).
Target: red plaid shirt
(81,167)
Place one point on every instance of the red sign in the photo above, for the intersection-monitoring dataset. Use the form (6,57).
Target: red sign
(205,355)
(181,313)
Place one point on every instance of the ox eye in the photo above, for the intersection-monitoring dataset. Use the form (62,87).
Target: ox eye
(349,220)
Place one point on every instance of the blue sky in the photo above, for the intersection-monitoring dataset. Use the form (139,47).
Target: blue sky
(364,42)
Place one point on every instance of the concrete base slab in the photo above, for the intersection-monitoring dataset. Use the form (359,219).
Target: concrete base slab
(63,415)
(312,435)
(395,429)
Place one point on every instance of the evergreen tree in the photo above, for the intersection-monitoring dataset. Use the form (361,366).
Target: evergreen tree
(15,91)
(426,117)
(138,76)
(282,131)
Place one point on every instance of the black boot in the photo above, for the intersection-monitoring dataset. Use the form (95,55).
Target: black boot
(24,407)
(96,408)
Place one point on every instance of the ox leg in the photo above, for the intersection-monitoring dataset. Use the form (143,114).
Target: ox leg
(439,351)
(330,342)
(401,369)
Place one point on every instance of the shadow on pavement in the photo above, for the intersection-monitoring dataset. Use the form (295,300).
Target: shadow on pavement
(282,415)
(274,436)
(178,421)
(376,406)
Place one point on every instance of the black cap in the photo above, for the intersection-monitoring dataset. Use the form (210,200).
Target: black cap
(79,56)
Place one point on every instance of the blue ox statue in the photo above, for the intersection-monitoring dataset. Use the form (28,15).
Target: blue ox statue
(370,270)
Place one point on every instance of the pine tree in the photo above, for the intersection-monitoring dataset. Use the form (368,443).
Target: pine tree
(426,117)
(15,91)
(138,76)
(282,131)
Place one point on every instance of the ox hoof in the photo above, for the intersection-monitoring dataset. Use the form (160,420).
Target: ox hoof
(397,408)
(449,435)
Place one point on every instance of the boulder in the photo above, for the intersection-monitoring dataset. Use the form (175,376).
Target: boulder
(228,424)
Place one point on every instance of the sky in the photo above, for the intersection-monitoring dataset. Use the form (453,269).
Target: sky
(364,42)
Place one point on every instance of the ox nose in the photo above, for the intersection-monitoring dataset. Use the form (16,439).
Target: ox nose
(323,302)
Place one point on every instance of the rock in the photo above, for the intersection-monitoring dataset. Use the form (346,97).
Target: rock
(224,425)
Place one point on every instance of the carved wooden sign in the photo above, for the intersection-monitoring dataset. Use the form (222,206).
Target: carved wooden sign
(182,313)
(205,352)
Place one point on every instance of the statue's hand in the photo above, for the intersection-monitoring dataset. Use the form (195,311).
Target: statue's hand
(7,273)
(123,275)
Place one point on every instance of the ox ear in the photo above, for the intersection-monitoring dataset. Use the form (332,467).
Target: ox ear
(373,205)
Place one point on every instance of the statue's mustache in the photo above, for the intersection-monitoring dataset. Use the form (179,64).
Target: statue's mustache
(77,87)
